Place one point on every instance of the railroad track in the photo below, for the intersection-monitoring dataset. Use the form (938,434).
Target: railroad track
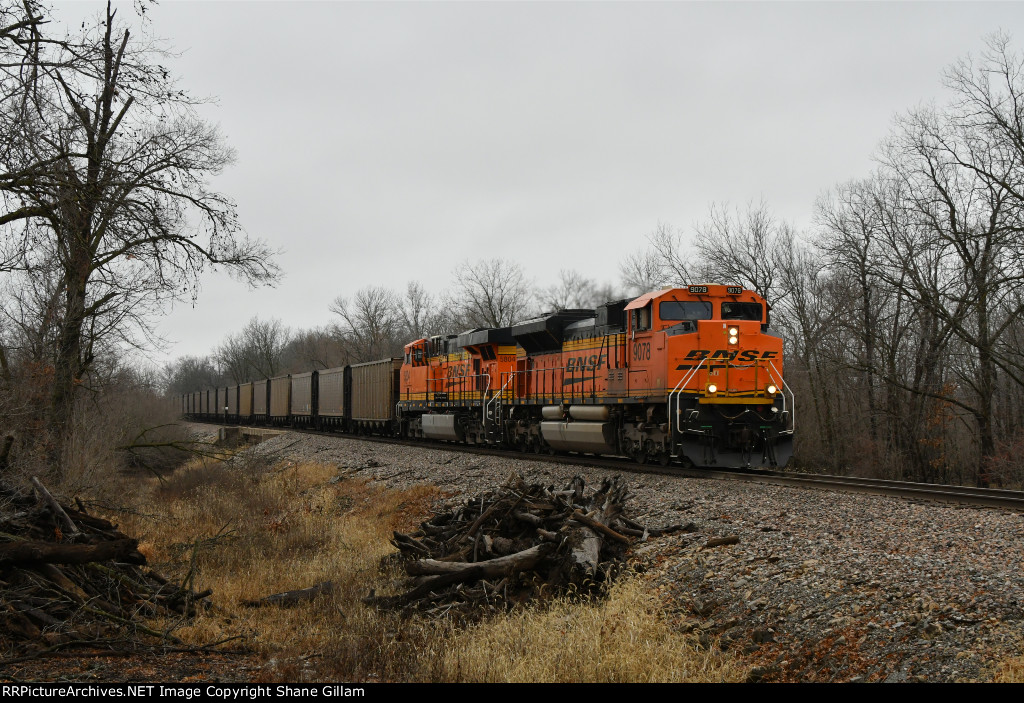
(964,495)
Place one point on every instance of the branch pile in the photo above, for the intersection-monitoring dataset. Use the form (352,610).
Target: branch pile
(67,577)
(515,543)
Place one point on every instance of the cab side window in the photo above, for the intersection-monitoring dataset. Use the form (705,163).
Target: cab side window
(642,318)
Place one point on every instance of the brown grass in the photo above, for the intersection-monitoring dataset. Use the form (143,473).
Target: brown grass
(623,638)
(1010,671)
(249,532)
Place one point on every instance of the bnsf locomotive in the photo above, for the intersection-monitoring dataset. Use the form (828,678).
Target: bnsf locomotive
(683,374)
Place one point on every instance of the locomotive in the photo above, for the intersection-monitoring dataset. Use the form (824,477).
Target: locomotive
(690,374)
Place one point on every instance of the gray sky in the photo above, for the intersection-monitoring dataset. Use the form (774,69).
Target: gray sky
(384,142)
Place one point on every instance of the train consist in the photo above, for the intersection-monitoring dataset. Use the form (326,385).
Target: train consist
(683,374)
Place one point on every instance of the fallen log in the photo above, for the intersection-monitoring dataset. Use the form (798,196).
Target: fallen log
(292,597)
(32,552)
(656,531)
(471,572)
(721,541)
(490,568)
(579,516)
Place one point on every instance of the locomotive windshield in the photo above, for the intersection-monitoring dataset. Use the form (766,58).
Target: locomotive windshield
(685,310)
(741,311)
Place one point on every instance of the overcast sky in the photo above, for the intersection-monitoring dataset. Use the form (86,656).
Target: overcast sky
(384,142)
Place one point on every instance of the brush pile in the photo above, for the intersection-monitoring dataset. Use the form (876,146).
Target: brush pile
(67,577)
(515,544)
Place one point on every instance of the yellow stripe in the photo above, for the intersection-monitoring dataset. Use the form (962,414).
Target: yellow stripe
(726,400)
(594,343)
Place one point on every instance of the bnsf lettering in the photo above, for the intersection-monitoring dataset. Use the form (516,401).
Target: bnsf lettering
(584,363)
(458,371)
(747,355)
(641,351)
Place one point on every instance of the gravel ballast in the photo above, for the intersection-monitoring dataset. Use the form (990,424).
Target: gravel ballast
(820,586)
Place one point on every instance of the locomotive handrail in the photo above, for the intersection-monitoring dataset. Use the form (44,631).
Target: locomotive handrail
(483,397)
(484,402)
(677,391)
(554,394)
(497,396)
(792,398)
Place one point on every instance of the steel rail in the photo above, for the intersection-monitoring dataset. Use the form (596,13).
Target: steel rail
(964,495)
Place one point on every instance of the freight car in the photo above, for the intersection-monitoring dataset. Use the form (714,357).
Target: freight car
(688,374)
(303,398)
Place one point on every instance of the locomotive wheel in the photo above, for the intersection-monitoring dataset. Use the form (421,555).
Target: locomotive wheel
(664,458)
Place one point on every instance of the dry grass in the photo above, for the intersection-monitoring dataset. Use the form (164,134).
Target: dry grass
(624,638)
(1010,671)
(250,532)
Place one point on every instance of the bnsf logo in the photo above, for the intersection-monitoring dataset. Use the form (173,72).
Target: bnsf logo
(457,374)
(458,371)
(699,355)
(584,363)
(730,354)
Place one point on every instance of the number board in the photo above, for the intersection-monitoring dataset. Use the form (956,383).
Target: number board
(733,290)
(698,289)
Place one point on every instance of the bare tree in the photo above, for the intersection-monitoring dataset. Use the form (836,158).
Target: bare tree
(104,168)
(189,373)
(370,323)
(266,341)
(663,263)
(988,114)
(233,357)
(850,220)
(491,293)
(257,351)
(744,247)
(317,348)
(418,311)
(668,261)
(574,290)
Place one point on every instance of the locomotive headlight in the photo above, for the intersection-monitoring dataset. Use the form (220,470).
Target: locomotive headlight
(733,331)
(734,340)
(772,390)
(712,388)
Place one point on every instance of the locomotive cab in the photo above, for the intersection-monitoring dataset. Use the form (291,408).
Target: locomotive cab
(728,403)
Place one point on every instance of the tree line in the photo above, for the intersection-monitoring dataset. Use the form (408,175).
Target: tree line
(378,321)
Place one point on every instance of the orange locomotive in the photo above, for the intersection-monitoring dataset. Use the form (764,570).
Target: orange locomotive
(690,374)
